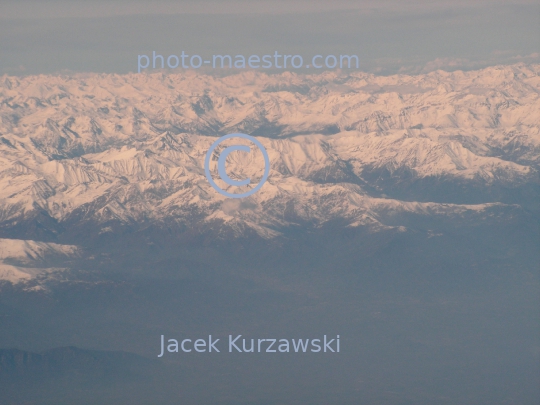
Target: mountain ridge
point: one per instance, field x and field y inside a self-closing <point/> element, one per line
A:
<point x="93" y="152"/>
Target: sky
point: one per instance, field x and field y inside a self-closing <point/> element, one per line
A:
<point x="55" y="36"/>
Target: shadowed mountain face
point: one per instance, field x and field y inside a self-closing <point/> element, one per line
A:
<point x="400" y="213"/>
<point x="422" y="316"/>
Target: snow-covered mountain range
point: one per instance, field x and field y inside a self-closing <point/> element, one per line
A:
<point x="113" y="150"/>
<point x="26" y="259"/>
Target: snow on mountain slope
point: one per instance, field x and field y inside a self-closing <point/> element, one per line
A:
<point x="130" y="148"/>
<point x="22" y="260"/>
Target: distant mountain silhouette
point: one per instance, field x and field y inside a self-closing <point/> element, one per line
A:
<point x="67" y="374"/>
